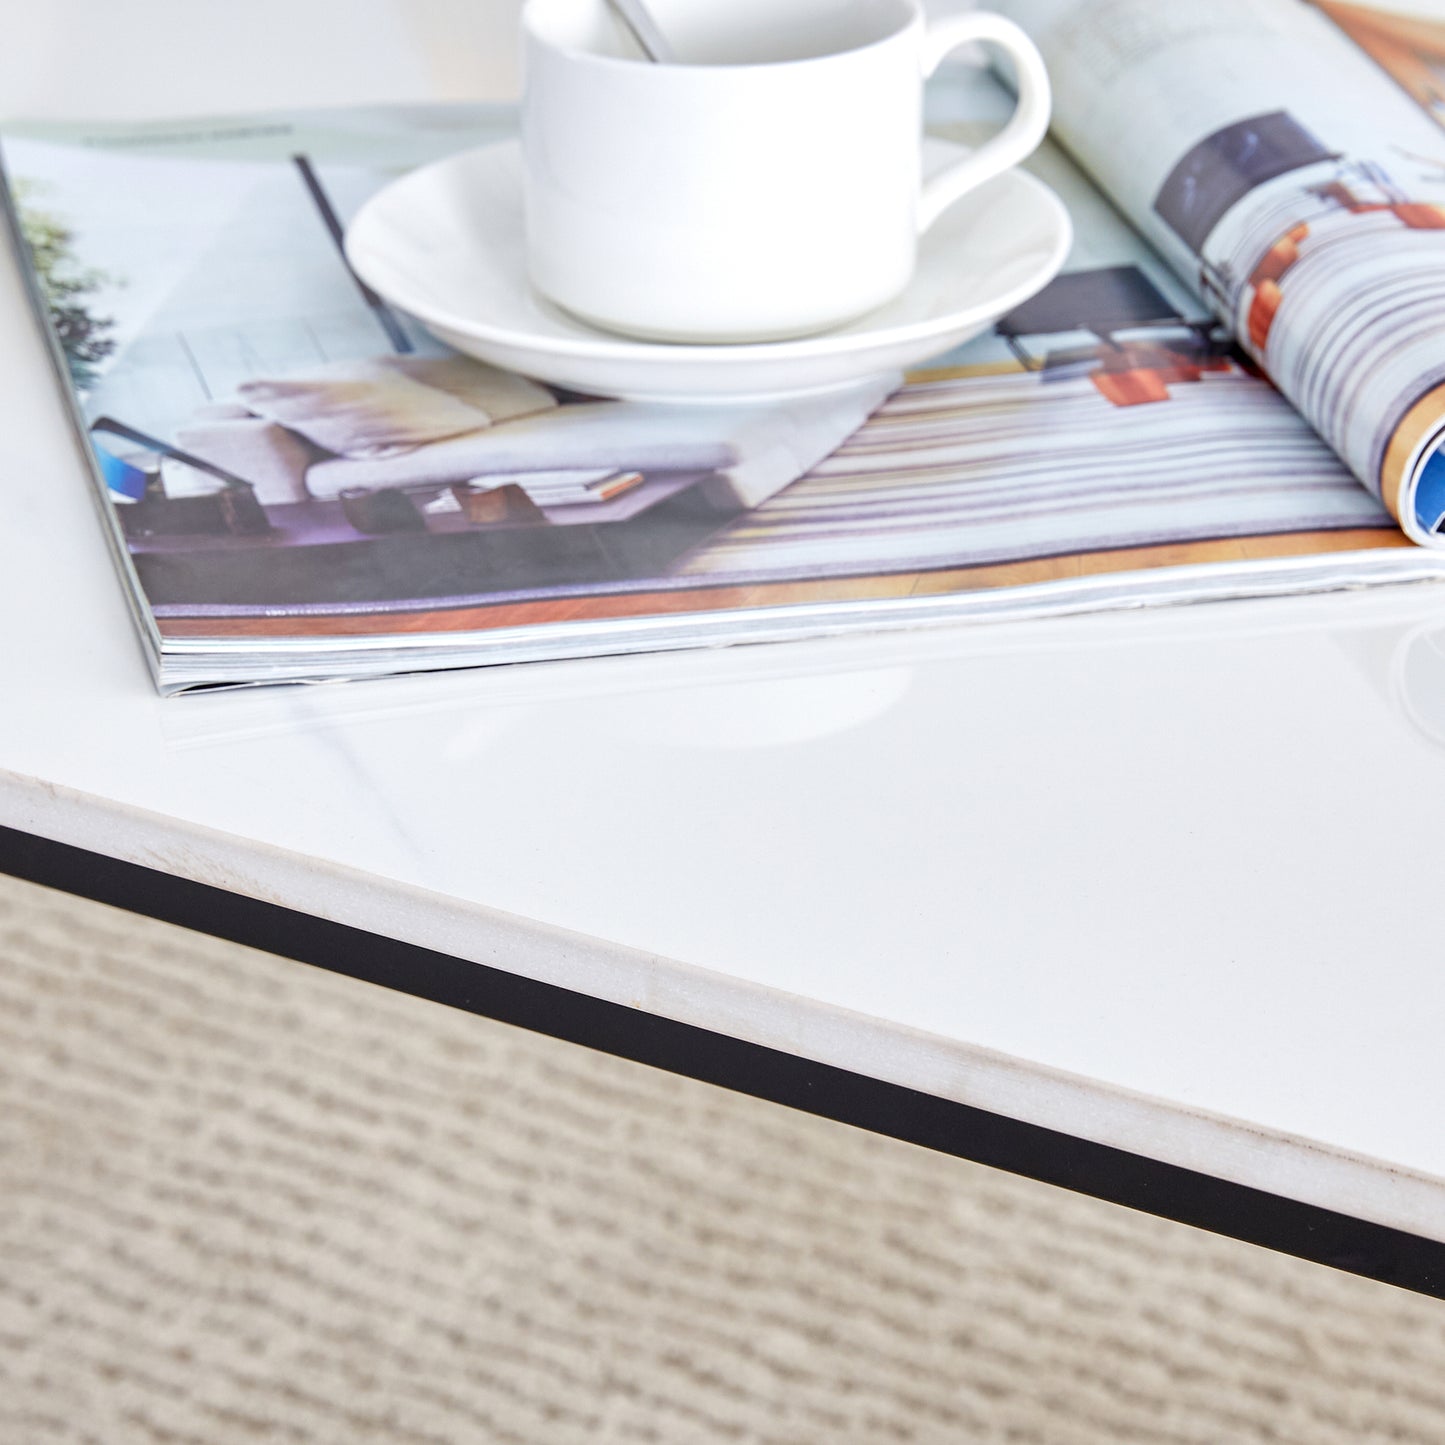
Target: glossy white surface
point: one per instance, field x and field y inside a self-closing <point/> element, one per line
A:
<point x="1162" y="880"/>
<point x="1026" y="127"/>
<point x="769" y="185"/>
<point x="445" y="243"/>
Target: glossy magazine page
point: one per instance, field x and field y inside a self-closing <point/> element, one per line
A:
<point x="1288" y="158"/>
<point x="307" y="484"/>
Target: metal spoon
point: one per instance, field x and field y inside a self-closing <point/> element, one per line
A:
<point x="635" y="15"/>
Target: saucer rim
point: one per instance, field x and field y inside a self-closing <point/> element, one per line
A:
<point x="601" y="346"/>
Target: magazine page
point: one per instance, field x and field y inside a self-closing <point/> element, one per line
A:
<point x="1287" y="157"/>
<point x="303" y="483"/>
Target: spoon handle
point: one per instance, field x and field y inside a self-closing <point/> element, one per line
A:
<point x="635" y="15"/>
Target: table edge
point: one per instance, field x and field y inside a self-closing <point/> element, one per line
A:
<point x="1286" y="1193"/>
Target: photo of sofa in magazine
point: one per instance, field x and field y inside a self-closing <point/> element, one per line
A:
<point x="300" y="483"/>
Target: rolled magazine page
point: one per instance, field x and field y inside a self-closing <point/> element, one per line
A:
<point x="1288" y="159"/>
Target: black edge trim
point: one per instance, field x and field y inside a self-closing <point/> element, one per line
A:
<point x="1254" y="1216"/>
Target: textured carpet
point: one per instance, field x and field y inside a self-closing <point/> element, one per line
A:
<point x="244" y="1200"/>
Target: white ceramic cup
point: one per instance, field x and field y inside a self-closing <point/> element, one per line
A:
<point x="768" y="185"/>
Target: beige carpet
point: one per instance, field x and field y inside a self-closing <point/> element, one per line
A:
<point x="245" y="1200"/>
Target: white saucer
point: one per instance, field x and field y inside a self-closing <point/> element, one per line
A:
<point x="446" y="244"/>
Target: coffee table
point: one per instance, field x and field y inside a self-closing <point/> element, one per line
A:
<point x="1140" y="905"/>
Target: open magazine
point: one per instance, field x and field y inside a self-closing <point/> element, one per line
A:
<point x="1236" y="387"/>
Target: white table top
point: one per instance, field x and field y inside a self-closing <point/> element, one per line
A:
<point x="1159" y="880"/>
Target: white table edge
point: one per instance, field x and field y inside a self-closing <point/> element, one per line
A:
<point x="1233" y="1150"/>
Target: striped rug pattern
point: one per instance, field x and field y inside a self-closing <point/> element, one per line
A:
<point x="248" y="1201"/>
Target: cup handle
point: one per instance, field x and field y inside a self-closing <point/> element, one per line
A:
<point x="1026" y="127"/>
